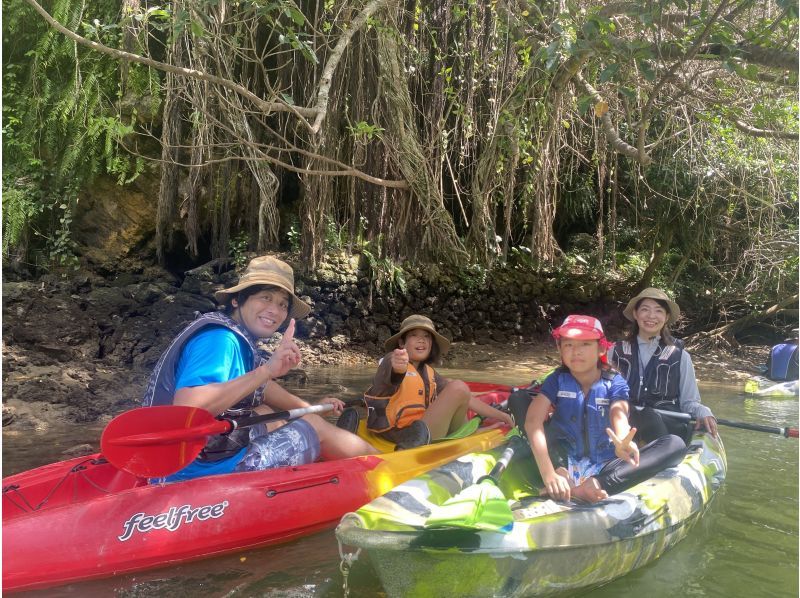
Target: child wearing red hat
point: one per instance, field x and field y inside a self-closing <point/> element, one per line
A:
<point x="588" y="434"/>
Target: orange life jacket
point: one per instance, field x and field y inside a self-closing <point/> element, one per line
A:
<point x="406" y="405"/>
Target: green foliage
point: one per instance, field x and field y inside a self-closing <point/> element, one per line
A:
<point x="284" y="17"/>
<point x="19" y="209"/>
<point x="335" y="236"/>
<point x="61" y="246"/>
<point x="384" y="273"/>
<point x="29" y="211"/>
<point x="365" y="130"/>
<point x="60" y="126"/>
<point x="631" y="265"/>
<point x="299" y="41"/>
<point x="109" y="131"/>
<point x="521" y="257"/>
<point x="238" y="246"/>
<point x="510" y="133"/>
<point x="340" y="237"/>
<point x="293" y="236"/>
<point x="473" y="277"/>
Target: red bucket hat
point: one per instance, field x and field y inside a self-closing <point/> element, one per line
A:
<point x="582" y="328"/>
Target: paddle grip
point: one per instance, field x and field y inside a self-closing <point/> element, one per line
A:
<point x="244" y="422"/>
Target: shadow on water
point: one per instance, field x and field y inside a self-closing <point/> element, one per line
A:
<point x="745" y="545"/>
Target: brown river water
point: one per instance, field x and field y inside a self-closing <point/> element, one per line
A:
<point x="746" y="544"/>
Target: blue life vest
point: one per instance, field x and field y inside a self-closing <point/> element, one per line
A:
<point x="581" y="422"/>
<point x="780" y="358"/>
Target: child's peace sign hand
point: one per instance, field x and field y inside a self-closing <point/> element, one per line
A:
<point x="625" y="448"/>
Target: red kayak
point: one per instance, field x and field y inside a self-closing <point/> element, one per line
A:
<point x="84" y="518"/>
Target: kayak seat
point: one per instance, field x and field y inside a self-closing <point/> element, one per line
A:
<point x="651" y="425"/>
<point x="348" y="420"/>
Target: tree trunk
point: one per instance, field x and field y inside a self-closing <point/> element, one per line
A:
<point x="612" y="213"/>
<point x="655" y="261"/>
<point x="170" y="142"/>
<point x="544" y="248"/>
<point x="726" y="334"/>
<point x="429" y="220"/>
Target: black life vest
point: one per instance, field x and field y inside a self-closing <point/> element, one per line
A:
<point x="659" y="385"/>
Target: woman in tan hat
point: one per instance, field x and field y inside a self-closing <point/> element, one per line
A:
<point x="409" y="402"/>
<point x="215" y="364"/>
<point x="659" y="371"/>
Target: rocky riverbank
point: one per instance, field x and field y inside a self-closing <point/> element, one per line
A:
<point x="80" y="349"/>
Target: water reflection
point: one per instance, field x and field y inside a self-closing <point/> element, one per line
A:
<point x="747" y="544"/>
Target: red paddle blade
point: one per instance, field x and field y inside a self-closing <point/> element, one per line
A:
<point x="158" y="441"/>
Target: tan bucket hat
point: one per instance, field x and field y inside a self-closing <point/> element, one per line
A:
<point x="653" y="293"/>
<point x="414" y="322"/>
<point x="272" y="271"/>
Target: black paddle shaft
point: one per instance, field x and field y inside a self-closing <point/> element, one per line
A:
<point x="494" y="475"/>
<point x="786" y="432"/>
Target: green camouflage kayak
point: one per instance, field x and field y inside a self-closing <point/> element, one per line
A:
<point x="549" y="547"/>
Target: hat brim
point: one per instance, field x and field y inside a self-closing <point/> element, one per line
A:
<point x="393" y="342"/>
<point x="580" y="334"/>
<point x="300" y="309"/>
<point x="674" y="309"/>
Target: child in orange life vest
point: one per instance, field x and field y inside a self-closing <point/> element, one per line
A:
<point x="409" y="403"/>
<point x="589" y="430"/>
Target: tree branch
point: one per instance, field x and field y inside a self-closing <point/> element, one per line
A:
<point x="616" y="142"/>
<point x="769" y="134"/>
<point x="670" y="74"/>
<point x="264" y="105"/>
<point x="725" y="333"/>
<point x="344" y="169"/>
<point x="751" y="53"/>
<point x="769" y="57"/>
<point x="321" y="106"/>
